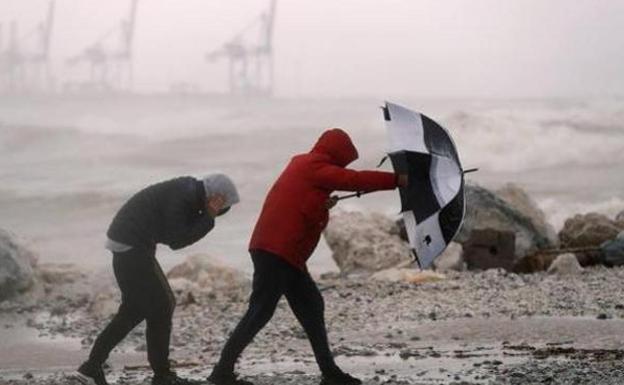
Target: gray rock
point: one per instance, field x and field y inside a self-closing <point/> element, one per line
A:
<point x="620" y="219"/>
<point x="522" y="202"/>
<point x="588" y="230"/>
<point x="451" y="259"/>
<point x="565" y="264"/>
<point x="365" y="242"/>
<point x="613" y="251"/>
<point x="486" y="210"/>
<point x="16" y="266"/>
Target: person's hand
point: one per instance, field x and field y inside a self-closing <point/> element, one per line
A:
<point x="402" y="180"/>
<point x="331" y="202"/>
<point x="215" y="204"/>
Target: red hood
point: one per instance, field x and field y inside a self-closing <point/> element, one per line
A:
<point x="337" y="144"/>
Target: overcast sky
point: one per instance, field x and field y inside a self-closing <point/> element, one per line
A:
<point x="380" y="48"/>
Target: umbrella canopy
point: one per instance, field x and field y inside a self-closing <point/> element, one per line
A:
<point x="433" y="203"/>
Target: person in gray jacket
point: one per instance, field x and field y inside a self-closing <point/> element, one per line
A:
<point x="177" y="213"/>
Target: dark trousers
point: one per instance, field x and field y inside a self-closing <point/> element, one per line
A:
<point x="145" y="295"/>
<point x="273" y="278"/>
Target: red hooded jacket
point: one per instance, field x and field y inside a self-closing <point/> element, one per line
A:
<point x="294" y="213"/>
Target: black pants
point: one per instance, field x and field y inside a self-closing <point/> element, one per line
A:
<point x="145" y="295"/>
<point x="273" y="278"/>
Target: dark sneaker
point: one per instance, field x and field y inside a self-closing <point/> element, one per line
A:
<point x="172" y="378"/>
<point x="226" y="379"/>
<point x="88" y="375"/>
<point x="339" y="378"/>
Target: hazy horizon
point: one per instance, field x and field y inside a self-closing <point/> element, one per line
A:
<point x="365" y="48"/>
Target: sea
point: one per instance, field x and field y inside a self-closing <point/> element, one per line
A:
<point x="67" y="163"/>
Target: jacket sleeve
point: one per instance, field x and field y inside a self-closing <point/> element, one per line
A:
<point x="183" y="224"/>
<point x="332" y="177"/>
<point x="192" y="232"/>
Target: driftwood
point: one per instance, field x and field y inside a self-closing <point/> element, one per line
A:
<point x="572" y="250"/>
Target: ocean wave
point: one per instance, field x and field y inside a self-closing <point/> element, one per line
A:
<point x="517" y="140"/>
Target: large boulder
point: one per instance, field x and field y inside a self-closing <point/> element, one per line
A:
<point x="619" y="219"/>
<point x="565" y="264"/>
<point x="613" y="251"/>
<point x="16" y="266"/>
<point x="523" y="203"/>
<point x="588" y="230"/>
<point x="486" y="210"/>
<point x="209" y="276"/>
<point x="365" y="242"/>
<point x="490" y="249"/>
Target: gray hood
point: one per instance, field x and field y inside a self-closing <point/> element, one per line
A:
<point x="223" y="185"/>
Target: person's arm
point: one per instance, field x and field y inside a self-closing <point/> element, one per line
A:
<point x="194" y="232"/>
<point x="201" y="224"/>
<point x="332" y="177"/>
<point x="183" y="230"/>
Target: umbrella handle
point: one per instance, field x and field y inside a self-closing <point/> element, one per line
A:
<point x="354" y="195"/>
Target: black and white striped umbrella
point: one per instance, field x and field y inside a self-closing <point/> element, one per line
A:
<point x="433" y="202"/>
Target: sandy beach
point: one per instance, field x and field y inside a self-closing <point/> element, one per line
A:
<point x="487" y="327"/>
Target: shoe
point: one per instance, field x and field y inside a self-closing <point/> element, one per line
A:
<point x="226" y="379"/>
<point x="88" y="375"/>
<point x="339" y="378"/>
<point x="171" y="378"/>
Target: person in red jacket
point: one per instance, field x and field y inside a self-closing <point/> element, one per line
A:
<point x="293" y="216"/>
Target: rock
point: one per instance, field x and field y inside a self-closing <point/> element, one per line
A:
<point x="365" y="242"/>
<point x="523" y="203"/>
<point x="613" y="251"/>
<point x="209" y="276"/>
<point x="588" y="230"/>
<point x="619" y="218"/>
<point x="485" y="210"/>
<point x="16" y="267"/>
<point x="565" y="264"/>
<point x="533" y="263"/>
<point x="451" y="259"/>
<point x="490" y="249"/>
<point x="407" y="275"/>
<point x="590" y="257"/>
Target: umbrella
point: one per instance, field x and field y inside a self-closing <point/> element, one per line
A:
<point x="433" y="203"/>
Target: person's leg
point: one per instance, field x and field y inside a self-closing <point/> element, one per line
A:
<point x="307" y="304"/>
<point x="159" y="307"/>
<point x="118" y="328"/>
<point x="129" y="314"/>
<point x="268" y="285"/>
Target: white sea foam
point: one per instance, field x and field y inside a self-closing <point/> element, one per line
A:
<point x="80" y="159"/>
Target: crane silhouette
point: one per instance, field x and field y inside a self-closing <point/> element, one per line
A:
<point x="250" y="56"/>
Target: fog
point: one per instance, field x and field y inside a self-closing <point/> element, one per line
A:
<point x="354" y="48"/>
